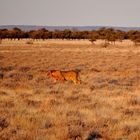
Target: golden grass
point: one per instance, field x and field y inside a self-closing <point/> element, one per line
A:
<point x="39" y="42"/>
<point x="106" y="105"/>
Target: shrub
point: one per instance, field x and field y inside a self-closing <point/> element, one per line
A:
<point x="92" y="40"/>
<point x="106" y="44"/>
<point x="29" y="42"/>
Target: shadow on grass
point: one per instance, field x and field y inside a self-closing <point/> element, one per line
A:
<point x="94" y="135"/>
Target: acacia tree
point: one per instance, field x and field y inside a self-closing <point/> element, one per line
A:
<point x="93" y="36"/>
<point x="102" y="33"/>
<point x="107" y="34"/>
<point x="4" y="33"/>
<point x="110" y="35"/>
<point x="67" y="34"/>
<point x="17" y="33"/>
<point x="136" y="39"/>
<point x="41" y="33"/>
<point x="134" y="36"/>
<point x="120" y="35"/>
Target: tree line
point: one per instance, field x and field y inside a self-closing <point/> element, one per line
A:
<point x="107" y="34"/>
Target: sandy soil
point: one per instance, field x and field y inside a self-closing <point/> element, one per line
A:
<point x="106" y="105"/>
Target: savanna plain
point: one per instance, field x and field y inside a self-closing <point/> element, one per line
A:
<point x="105" y="106"/>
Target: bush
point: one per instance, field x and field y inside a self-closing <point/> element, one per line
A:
<point x="137" y="41"/>
<point x="105" y="45"/>
<point x="92" y="40"/>
<point x="29" y="42"/>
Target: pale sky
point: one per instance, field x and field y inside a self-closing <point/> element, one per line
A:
<point x="70" y="12"/>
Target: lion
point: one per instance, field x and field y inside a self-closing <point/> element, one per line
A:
<point x="71" y="75"/>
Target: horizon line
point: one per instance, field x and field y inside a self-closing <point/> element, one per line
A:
<point x="70" y="25"/>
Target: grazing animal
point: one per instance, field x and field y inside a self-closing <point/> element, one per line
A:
<point x="71" y="75"/>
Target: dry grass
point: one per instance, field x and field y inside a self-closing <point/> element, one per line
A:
<point x="39" y="42"/>
<point x="106" y="105"/>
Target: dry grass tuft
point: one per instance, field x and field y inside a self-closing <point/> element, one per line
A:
<point x="29" y="42"/>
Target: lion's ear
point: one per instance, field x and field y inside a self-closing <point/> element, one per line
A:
<point x="49" y="73"/>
